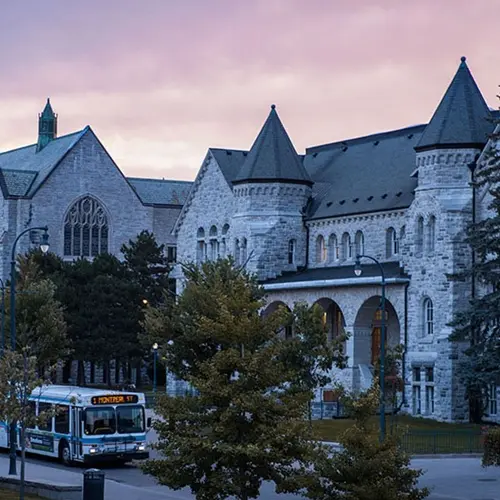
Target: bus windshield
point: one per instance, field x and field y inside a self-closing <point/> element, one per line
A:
<point x="100" y="421"/>
<point x="130" y="419"/>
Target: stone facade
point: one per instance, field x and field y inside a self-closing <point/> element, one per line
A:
<point x="418" y="237"/>
<point x="61" y="178"/>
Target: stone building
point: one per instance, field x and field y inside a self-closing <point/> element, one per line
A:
<point x="403" y="197"/>
<point x="72" y="185"/>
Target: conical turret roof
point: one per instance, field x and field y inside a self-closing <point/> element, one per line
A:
<point x="47" y="112"/>
<point x="461" y="119"/>
<point x="272" y="157"/>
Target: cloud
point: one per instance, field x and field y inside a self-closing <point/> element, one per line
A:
<point x="160" y="82"/>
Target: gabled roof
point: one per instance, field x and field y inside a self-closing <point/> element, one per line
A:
<point x="366" y="174"/>
<point x="160" y="192"/>
<point x="272" y="156"/>
<point x="461" y="119"/>
<point x="24" y="169"/>
<point x="230" y="162"/>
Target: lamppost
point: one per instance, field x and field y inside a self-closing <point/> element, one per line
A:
<point x="155" y="358"/>
<point x="44" y="247"/>
<point x="170" y="343"/>
<point x="357" y="272"/>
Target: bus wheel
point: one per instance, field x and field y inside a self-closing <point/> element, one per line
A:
<point x="64" y="453"/>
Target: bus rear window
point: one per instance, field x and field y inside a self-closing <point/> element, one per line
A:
<point x="100" y="421"/>
<point x="130" y="419"/>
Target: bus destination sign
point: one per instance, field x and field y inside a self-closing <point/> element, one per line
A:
<point x="115" y="399"/>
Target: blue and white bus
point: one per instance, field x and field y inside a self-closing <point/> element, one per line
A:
<point x="90" y="425"/>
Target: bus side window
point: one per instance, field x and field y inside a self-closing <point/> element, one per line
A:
<point x="32" y="409"/>
<point x="62" y="419"/>
<point x="47" y="424"/>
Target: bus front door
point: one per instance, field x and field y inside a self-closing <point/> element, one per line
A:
<point x="76" y="435"/>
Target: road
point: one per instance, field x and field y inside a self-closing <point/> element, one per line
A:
<point x="448" y="479"/>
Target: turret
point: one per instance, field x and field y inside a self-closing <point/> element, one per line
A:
<point x="47" y="126"/>
<point x="271" y="191"/>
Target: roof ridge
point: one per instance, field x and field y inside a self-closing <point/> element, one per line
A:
<point x="157" y="180"/>
<point x="65" y="136"/>
<point x="367" y="138"/>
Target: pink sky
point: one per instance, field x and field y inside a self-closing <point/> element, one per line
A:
<point x="160" y="81"/>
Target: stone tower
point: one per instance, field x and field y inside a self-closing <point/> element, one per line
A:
<point x="271" y="192"/>
<point x="47" y="126"/>
<point x="435" y="241"/>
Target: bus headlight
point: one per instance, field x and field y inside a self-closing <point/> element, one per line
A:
<point x="93" y="451"/>
<point x="141" y="447"/>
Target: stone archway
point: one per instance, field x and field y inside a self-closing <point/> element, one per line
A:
<point x="287" y="330"/>
<point x="333" y="317"/>
<point x="367" y="330"/>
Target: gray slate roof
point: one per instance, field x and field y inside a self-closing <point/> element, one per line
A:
<point x="272" y="156"/>
<point x="461" y="117"/>
<point x="160" y="192"/>
<point x="23" y="170"/>
<point x="229" y="161"/>
<point x="391" y="270"/>
<point x="367" y="174"/>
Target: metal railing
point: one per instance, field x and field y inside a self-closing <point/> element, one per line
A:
<point x="435" y="442"/>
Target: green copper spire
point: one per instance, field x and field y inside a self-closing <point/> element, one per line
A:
<point x="47" y="126"/>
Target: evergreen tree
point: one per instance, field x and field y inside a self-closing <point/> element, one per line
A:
<point x="148" y="266"/>
<point x="40" y="323"/>
<point x="365" y="469"/>
<point x="479" y="324"/>
<point x="246" y="423"/>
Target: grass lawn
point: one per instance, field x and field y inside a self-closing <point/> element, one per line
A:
<point x="419" y="435"/>
<point x="14" y="495"/>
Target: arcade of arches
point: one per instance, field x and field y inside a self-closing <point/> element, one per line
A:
<point x="363" y="344"/>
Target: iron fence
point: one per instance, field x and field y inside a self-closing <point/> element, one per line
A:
<point x="435" y="442"/>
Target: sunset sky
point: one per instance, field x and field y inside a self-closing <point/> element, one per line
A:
<point x="160" y="81"/>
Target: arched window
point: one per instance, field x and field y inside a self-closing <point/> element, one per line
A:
<point x="333" y="248"/>
<point x="86" y="230"/>
<point x="419" y="242"/>
<point x="392" y="242"/>
<point x="431" y="234"/>
<point x="359" y="241"/>
<point x="214" y="244"/>
<point x="428" y="317"/>
<point x="346" y="246"/>
<point x="237" y="254"/>
<point x="201" y="250"/>
<point x="243" y="251"/>
<point x="225" y="230"/>
<point x="321" y="251"/>
<point x="292" y="244"/>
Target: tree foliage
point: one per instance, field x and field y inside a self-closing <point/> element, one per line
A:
<point x="103" y="299"/>
<point x="18" y="379"/>
<point x="40" y="322"/>
<point x="246" y="423"/>
<point x="365" y="469"/>
<point x="479" y="324"/>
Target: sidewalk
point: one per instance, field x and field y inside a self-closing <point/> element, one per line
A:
<point x="112" y="490"/>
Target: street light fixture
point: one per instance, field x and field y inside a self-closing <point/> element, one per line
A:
<point x="155" y="358"/>
<point x="44" y="247"/>
<point x="358" y="271"/>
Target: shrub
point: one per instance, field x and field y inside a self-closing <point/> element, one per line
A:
<point x="491" y="454"/>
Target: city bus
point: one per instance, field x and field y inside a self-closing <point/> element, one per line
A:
<point x="89" y="425"/>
